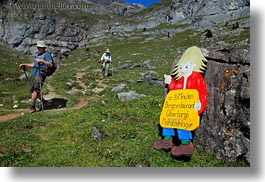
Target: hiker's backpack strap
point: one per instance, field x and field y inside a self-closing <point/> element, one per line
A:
<point x="50" y="55"/>
<point x="50" y="70"/>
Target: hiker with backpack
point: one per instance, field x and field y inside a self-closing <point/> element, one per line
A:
<point x="105" y="62"/>
<point x="40" y="70"/>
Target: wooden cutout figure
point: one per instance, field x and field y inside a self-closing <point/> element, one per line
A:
<point x="187" y="94"/>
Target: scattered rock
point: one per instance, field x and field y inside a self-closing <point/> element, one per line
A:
<point x="96" y="135"/>
<point x="15" y="106"/>
<point x="151" y="77"/>
<point x="127" y="96"/>
<point x="119" y="87"/>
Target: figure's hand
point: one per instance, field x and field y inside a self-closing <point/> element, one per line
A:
<point x="197" y="106"/>
<point x="167" y="79"/>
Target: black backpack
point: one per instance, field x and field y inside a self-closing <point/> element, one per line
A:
<point x="52" y="69"/>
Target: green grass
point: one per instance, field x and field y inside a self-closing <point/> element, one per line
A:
<point x="11" y="88"/>
<point x="126" y="139"/>
<point x="64" y="138"/>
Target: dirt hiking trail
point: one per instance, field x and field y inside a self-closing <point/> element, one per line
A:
<point x="83" y="101"/>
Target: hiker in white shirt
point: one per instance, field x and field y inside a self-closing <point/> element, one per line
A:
<point x="106" y="61"/>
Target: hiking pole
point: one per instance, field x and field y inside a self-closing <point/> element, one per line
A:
<point x="24" y="69"/>
<point x="111" y="69"/>
<point x="41" y="99"/>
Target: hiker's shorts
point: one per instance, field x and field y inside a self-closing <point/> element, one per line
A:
<point x="35" y="84"/>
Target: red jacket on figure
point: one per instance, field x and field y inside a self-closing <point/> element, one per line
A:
<point x="194" y="81"/>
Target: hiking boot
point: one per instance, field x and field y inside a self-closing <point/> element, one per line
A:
<point x="163" y="144"/>
<point x="31" y="109"/>
<point x="176" y="151"/>
<point x="182" y="150"/>
<point x="187" y="150"/>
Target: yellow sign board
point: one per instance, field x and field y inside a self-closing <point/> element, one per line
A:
<point x="178" y="110"/>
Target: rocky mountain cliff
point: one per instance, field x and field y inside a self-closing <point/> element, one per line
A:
<point x="91" y="23"/>
<point x="223" y="27"/>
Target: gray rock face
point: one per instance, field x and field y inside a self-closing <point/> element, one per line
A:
<point x="207" y="13"/>
<point x="16" y="35"/>
<point x="64" y="34"/>
<point x="36" y="24"/>
<point x="228" y="115"/>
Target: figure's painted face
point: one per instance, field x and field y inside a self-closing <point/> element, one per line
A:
<point x="186" y="69"/>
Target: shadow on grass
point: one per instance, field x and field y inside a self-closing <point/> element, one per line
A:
<point x="54" y="103"/>
<point x="183" y="158"/>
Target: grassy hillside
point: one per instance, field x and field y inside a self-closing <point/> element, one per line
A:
<point x="66" y="137"/>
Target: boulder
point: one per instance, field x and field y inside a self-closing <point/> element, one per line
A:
<point x="128" y="96"/>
